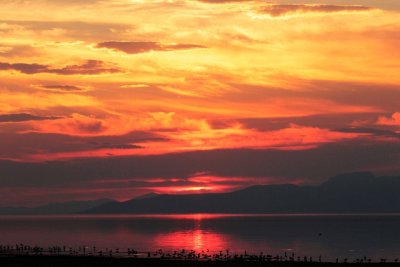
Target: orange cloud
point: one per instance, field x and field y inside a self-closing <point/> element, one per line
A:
<point x="193" y="135"/>
<point x="90" y="67"/>
<point x="203" y="136"/>
<point x="143" y="47"/>
<point x="282" y="10"/>
<point x="394" y="120"/>
<point x="62" y="88"/>
<point x="20" y="117"/>
<point x="76" y="124"/>
<point x="27" y="102"/>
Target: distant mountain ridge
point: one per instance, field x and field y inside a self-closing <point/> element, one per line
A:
<point x="359" y="192"/>
<point x="70" y="207"/>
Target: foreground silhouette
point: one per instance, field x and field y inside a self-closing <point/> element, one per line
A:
<point x="25" y="255"/>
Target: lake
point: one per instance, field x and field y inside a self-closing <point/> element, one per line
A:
<point x="331" y="236"/>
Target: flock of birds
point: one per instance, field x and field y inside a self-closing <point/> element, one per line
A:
<point x="190" y="255"/>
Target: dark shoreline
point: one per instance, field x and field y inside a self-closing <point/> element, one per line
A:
<point x="95" y="261"/>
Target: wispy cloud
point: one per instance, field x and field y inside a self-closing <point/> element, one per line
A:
<point x="143" y="47"/>
<point x="62" y="88"/>
<point x="20" y="117"/>
<point x="90" y="67"/>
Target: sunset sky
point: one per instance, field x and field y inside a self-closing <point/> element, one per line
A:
<point x="119" y="98"/>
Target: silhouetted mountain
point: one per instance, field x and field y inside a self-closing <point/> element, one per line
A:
<point x="55" y="208"/>
<point x="149" y="195"/>
<point x="360" y="192"/>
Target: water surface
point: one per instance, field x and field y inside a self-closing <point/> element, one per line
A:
<point x="330" y="236"/>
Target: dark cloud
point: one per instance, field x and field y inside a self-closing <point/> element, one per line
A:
<point x="18" y="117"/>
<point x="19" y="144"/>
<point x="281" y="10"/>
<point x="62" y="88"/>
<point x="125" y="177"/>
<point x="90" y="67"/>
<point x="313" y="165"/>
<point x="372" y="131"/>
<point x="143" y="47"/>
<point x="327" y="121"/>
<point x="132" y="137"/>
<point x="120" y="146"/>
<point x="90" y="127"/>
<point x="382" y="96"/>
<point x="24" y="68"/>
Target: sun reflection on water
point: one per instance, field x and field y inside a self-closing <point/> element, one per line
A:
<point x="197" y="238"/>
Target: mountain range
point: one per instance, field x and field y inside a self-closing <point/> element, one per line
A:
<point x="55" y="208"/>
<point x="359" y="192"/>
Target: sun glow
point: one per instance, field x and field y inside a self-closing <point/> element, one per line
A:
<point x="192" y="189"/>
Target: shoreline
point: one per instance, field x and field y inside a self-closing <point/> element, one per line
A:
<point x="97" y="261"/>
<point x="23" y="252"/>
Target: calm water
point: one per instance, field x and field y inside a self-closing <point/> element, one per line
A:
<point x="331" y="236"/>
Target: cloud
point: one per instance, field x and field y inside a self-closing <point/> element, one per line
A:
<point x="277" y="10"/>
<point x="18" y="51"/>
<point x="352" y="94"/>
<point x="394" y="120"/>
<point x="75" y="124"/>
<point x="282" y="10"/>
<point x="205" y="169"/>
<point x="201" y="135"/>
<point x="372" y="131"/>
<point x="24" y="68"/>
<point x="327" y="121"/>
<point x="70" y="30"/>
<point x="131" y="137"/>
<point x="89" y="126"/>
<point x="143" y="47"/>
<point x="223" y="1"/>
<point x="313" y="165"/>
<point x="19" y="117"/>
<point x="121" y="146"/>
<point x="90" y="67"/>
<point x="17" y="145"/>
<point x="62" y="88"/>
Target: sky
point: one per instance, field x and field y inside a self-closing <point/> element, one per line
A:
<point x="119" y="98"/>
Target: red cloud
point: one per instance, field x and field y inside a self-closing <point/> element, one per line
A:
<point x="394" y="120"/>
